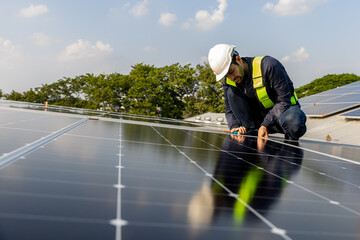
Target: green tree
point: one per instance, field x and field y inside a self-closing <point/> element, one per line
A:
<point x="15" y="96"/>
<point x="210" y="95"/>
<point x="31" y="96"/>
<point x="326" y="83"/>
<point x="160" y="91"/>
<point x="105" y="92"/>
<point x="182" y="85"/>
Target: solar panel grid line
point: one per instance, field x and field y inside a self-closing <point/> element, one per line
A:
<point x="315" y="171"/>
<point x="184" y="227"/>
<point x="10" y="157"/>
<point x="161" y="189"/>
<point x="314" y="213"/>
<point x="354" y="114"/>
<point x="19" y="121"/>
<point x="50" y="217"/>
<point x="160" y="179"/>
<point x="184" y="205"/>
<point x="53" y="196"/>
<point x="53" y="218"/>
<point x="330" y="160"/>
<point x="168" y="217"/>
<point x="119" y="222"/>
<point x="143" y="117"/>
<point x="92" y="137"/>
<point x="159" y="171"/>
<point x="331" y="102"/>
<point x="317" y="152"/>
<point x="187" y="191"/>
<point x="321" y="173"/>
<point x="330" y="201"/>
<point x="64" y="182"/>
<point x="318" y="172"/>
<point x="274" y="229"/>
<point x="328" y="103"/>
<point x="329" y="99"/>
<point x="64" y="170"/>
<point x="81" y="164"/>
<point x="26" y="130"/>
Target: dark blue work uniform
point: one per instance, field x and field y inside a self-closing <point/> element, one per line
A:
<point x="242" y="107"/>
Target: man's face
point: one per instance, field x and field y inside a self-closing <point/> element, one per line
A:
<point x="236" y="72"/>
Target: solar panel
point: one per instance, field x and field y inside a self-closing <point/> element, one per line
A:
<point x="118" y="179"/>
<point x="355" y="114"/>
<point x="331" y="102"/>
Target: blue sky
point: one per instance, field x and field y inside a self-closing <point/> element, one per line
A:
<point x="44" y="41"/>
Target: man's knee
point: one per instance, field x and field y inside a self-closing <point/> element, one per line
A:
<point x="293" y="122"/>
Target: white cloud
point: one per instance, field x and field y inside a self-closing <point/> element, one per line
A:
<point x="286" y="59"/>
<point x="205" y="20"/>
<point x="40" y="39"/>
<point x="84" y="50"/>
<point x="292" y="7"/>
<point x="140" y="9"/>
<point x="167" y="19"/>
<point x="298" y="56"/>
<point x="149" y="49"/>
<point x="33" y="10"/>
<point x="9" y="54"/>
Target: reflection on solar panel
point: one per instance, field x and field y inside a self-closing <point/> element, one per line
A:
<point x="355" y="114"/>
<point x="67" y="177"/>
<point x="333" y="101"/>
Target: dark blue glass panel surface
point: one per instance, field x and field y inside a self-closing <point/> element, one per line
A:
<point x="331" y="101"/>
<point x="352" y="114"/>
<point x="176" y="183"/>
<point x="325" y="109"/>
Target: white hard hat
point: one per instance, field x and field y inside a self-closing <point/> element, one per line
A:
<point x="220" y="57"/>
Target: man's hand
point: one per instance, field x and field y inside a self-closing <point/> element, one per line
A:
<point x="263" y="132"/>
<point x="238" y="138"/>
<point x="261" y="142"/>
<point x="240" y="130"/>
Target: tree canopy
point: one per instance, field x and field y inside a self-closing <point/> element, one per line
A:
<point x="173" y="91"/>
<point x="326" y="83"/>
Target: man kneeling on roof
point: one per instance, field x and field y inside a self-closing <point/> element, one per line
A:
<point x="259" y="95"/>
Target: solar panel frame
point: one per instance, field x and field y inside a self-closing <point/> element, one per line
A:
<point x="331" y="102"/>
<point x="354" y="114"/>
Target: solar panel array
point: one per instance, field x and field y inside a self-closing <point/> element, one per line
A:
<point x="69" y="177"/>
<point x="355" y="114"/>
<point x="333" y="101"/>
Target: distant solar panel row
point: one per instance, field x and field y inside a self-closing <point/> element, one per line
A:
<point x="355" y="114"/>
<point x="332" y="101"/>
<point x="115" y="180"/>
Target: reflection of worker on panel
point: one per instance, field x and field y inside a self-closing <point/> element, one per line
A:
<point x="257" y="174"/>
<point x="256" y="171"/>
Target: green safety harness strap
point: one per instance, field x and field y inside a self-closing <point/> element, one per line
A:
<point x="259" y="85"/>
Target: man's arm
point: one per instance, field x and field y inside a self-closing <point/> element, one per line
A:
<point x="232" y="121"/>
<point x="278" y="82"/>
